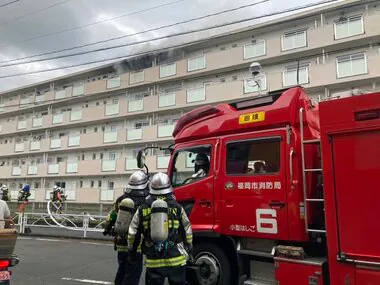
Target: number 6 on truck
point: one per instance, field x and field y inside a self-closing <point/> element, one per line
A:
<point x="264" y="223"/>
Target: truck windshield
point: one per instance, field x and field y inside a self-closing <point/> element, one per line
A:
<point x="191" y="164"/>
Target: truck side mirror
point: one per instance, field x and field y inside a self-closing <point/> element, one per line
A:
<point x="141" y="159"/>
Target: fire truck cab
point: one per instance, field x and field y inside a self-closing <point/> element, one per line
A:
<point x="250" y="176"/>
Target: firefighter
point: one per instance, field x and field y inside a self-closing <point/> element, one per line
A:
<point x="166" y="232"/>
<point x="202" y="165"/>
<point x="4" y="193"/>
<point x="128" y="272"/>
<point x="24" y="193"/>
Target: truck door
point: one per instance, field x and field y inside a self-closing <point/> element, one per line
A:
<point x="192" y="177"/>
<point x="252" y="181"/>
<point x="356" y="168"/>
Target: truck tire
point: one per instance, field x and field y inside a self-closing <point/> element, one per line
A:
<point x="215" y="268"/>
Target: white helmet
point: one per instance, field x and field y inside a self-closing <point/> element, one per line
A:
<point x="4" y="187"/>
<point x="55" y="187"/>
<point x="160" y="184"/>
<point x="137" y="181"/>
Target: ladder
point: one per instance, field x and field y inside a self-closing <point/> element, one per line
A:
<point x="305" y="170"/>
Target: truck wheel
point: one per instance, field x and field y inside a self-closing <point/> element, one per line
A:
<point x="215" y="268"/>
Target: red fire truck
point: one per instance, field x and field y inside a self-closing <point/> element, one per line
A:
<point x="281" y="190"/>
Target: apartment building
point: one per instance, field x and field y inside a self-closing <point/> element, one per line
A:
<point x="83" y="131"/>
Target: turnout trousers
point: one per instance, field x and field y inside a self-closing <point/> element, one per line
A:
<point x="156" y="276"/>
<point x="128" y="272"/>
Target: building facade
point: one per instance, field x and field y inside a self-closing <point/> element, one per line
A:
<point x="83" y="131"/>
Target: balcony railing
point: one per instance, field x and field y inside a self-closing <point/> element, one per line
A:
<point x="19" y="147"/>
<point x="37" y="122"/>
<point x="21" y="125"/>
<point x="109" y="137"/>
<point x="76" y="115"/>
<point x="55" y="143"/>
<point x="108" y="165"/>
<point x="74" y="140"/>
<point x="32" y="169"/>
<point x="78" y="90"/>
<point x="57" y="119"/>
<point x="113" y="82"/>
<point x="196" y="95"/>
<point x="16" y="170"/>
<point x="53" y="168"/>
<point x="72" y="167"/>
<point x="60" y="94"/>
<point x="35" y="145"/>
<point x="134" y="134"/>
<point x="112" y="109"/>
<point x="131" y="164"/>
<point x="165" y="130"/>
<point x="107" y="195"/>
<point x="166" y="99"/>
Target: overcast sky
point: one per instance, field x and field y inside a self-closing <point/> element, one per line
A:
<point x="29" y="27"/>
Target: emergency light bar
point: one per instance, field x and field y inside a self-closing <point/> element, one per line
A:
<point x="259" y="101"/>
<point x="192" y="116"/>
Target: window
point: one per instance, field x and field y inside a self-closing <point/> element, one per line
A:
<point x="255" y="157"/>
<point x="111" y="185"/>
<point x="290" y="75"/>
<point x="101" y="156"/>
<point x="81" y="184"/>
<point x="168" y="70"/>
<point x="250" y="85"/>
<point x="36" y="185"/>
<point x="92" y="183"/>
<point x="293" y="40"/>
<point x="195" y="63"/>
<point x="350" y="65"/>
<point x="348" y="27"/>
<point x="185" y="168"/>
<point x="254" y="50"/>
<point x="136" y="77"/>
<point x="99" y="183"/>
<point x="93" y="156"/>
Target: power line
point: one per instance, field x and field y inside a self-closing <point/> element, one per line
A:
<point x="34" y="12"/>
<point x="9" y="3"/>
<point x="167" y="36"/>
<point x="131" y="35"/>
<point x="94" y="23"/>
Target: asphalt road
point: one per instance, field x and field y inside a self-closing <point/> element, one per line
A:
<point x="50" y="261"/>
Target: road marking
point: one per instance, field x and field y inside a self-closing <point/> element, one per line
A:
<point x="88" y="281"/>
<point x="96" y="243"/>
<point x="48" y="239"/>
<point x="26" y="238"/>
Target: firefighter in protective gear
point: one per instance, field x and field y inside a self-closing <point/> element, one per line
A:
<point x="4" y="193"/>
<point x="166" y="232"/>
<point x="24" y="194"/>
<point x="202" y="165"/>
<point x="120" y="217"/>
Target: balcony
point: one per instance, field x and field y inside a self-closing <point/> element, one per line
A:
<point x="165" y="130"/>
<point x="134" y="134"/>
<point x="35" y="145"/>
<point x="196" y="95"/>
<point x="60" y="95"/>
<point x="37" y="122"/>
<point x="21" y="125"/>
<point x="72" y="167"/>
<point x="57" y="119"/>
<point x="19" y="147"/>
<point x="39" y="99"/>
<point x="112" y="109"/>
<point x="163" y="162"/>
<point x="74" y="140"/>
<point x="110" y="137"/>
<point x="24" y="102"/>
<point x="113" y="82"/>
<point x="55" y="143"/>
<point x="16" y="170"/>
<point x="135" y="105"/>
<point x="78" y="90"/>
<point x="166" y="99"/>
<point x="53" y="168"/>
<point x="131" y="164"/>
<point x="75" y="115"/>
<point x="107" y="195"/>
<point x="32" y="169"/>
<point x="108" y="165"/>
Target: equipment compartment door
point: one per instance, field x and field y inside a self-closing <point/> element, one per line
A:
<point x="192" y="177"/>
<point x="252" y="183"/>
<point x="356" y="166"/>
